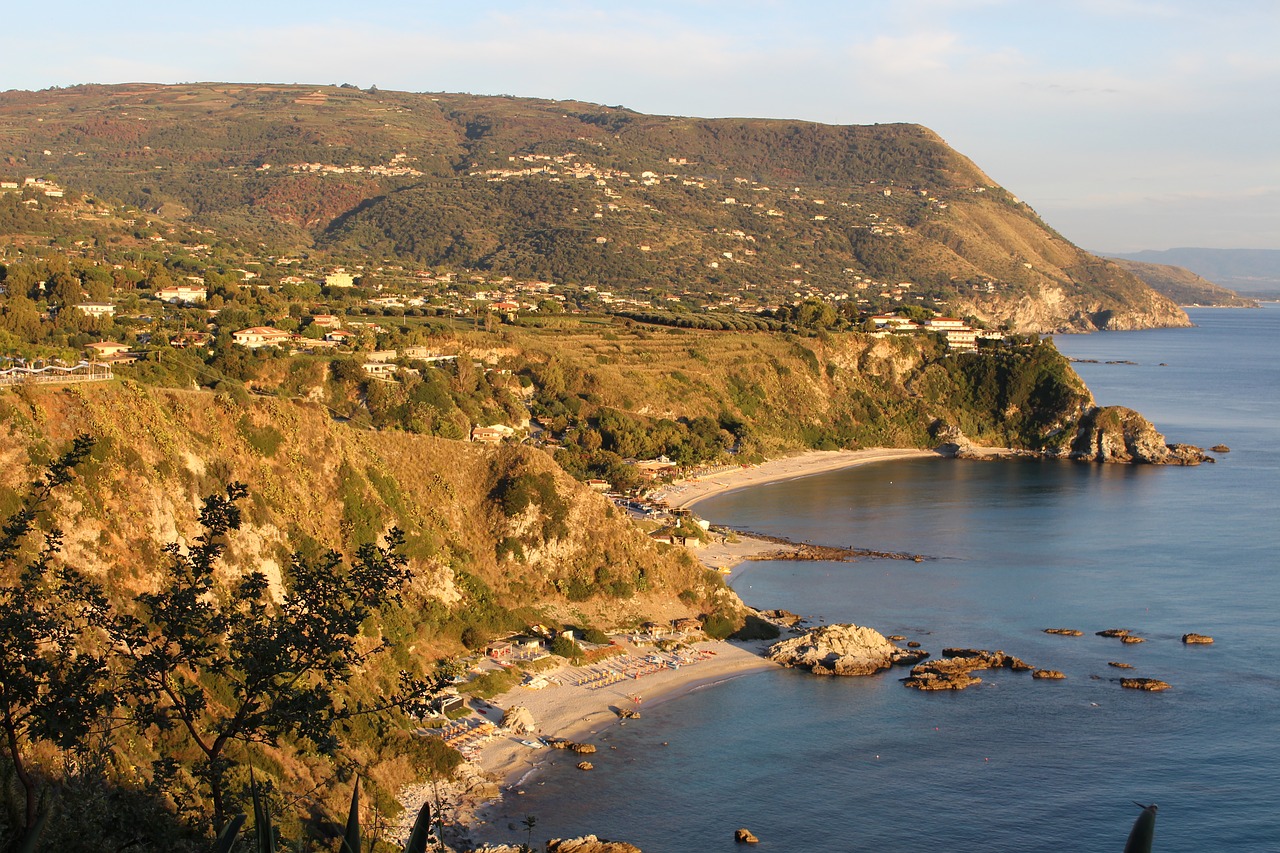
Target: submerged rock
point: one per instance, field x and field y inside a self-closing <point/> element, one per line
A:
<point x="842" y="650"/>
<point x="1118" y="665"/>
<point x="1114" y="632"/>
<point x="1065" y="632"/>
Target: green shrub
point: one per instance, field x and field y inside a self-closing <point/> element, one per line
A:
<point x="756" y="628"/>
<point x="566" y="648"/>
<point x="719" y="626"/>
<point x="491" y="683"/>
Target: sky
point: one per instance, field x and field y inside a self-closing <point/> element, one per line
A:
<point x="1126" y="124"/>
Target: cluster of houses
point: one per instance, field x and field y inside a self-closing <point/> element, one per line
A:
<point x="41" y="185"/>
<point x="958" y="334"/>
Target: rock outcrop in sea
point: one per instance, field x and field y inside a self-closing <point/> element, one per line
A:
<point x="1118" y="434"/>
<point x="584" y="844"/>
<point x="1150" y="684"/>
<point x="843" y="650"/>
<point x="954" y="670"/>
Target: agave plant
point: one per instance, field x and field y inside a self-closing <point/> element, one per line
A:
<point x="351" y="838"/>
<point x="230" y="833"/>
<point x="265" y="837"/>
<point x="262" y="828"/>
<point x="31" y="841"/>
<point x="421" y="833"/>
<point x="1143" y="832"/>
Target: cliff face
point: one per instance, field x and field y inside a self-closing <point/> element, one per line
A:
<point x="1117" y="434"/>
<point x="1062" y="304"/>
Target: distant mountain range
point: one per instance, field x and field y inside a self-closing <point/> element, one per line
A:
<point x="1255" y="272"/>
<point x="1185" y="287"/>
<point x="670" y="210"/>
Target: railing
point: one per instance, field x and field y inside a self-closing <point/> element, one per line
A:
<point x="49" y="374"/>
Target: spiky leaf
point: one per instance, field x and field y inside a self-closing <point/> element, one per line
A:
<point x="263" y="831"/>
<point x="31" y="840"/>
<point x="421" y="831"/>
<point x="1143" y="832"/>
<point x="351" y="838"/>
<point x="230" y="833"/>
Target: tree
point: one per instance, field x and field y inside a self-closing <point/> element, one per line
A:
<point x="230" y="664"/>
<point x="53" y="686"/>
<point x="63" y="289"/>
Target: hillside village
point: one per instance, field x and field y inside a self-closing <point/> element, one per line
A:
<point x="305" y="306"/>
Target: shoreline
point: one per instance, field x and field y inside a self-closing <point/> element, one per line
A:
<point x="488" y="798"/>
<point x="683" y="494"/>
<point x="723" y="554"/>
<point x="488" y="801"/>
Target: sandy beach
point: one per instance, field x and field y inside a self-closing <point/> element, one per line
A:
<point x="505" y="762"/>
<point x="723" y="553"/>
<point x="570" y="711"/>
<point x="686" y="493"/>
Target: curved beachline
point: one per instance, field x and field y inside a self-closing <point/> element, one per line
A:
<point x="683" y="494"/>
<point x="573" y="712"/>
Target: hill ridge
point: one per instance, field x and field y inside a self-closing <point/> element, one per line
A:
<point x="579" y="193"/>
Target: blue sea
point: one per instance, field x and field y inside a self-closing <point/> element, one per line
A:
<point x="1013" y="764"/>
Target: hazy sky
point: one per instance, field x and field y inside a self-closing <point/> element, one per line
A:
<point x="1127" y="124"/>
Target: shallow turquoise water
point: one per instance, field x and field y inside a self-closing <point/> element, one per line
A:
<point x="1013" y="764"/>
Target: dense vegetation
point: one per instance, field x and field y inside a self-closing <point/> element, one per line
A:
<point x="194" y="690"/>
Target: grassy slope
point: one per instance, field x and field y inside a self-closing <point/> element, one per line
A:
<point x="315" y="483"/>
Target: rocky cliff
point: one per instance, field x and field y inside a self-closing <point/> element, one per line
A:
<point x="1117" y="434"/>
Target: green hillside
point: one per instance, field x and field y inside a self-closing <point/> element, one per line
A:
<point x="757" y="210"/>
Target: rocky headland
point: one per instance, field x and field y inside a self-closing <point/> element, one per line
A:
<point x="1117" y="434"/>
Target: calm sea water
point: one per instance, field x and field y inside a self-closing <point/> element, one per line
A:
<point x="866" y="764"/>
